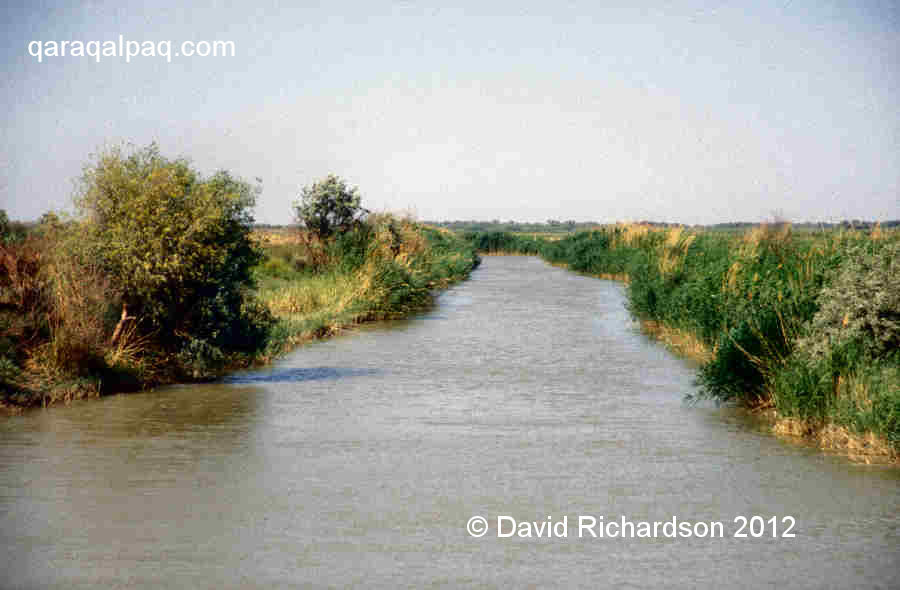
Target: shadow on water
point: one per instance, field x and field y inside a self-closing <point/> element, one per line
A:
<point x="298" y="374"/>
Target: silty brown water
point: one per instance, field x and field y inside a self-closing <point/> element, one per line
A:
<point x="358" y="461"/>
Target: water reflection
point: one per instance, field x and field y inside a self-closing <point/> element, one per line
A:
<point x="298" y="374"/>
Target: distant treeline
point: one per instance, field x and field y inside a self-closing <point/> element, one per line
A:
<point x="554" y="226"/>
<point x="807" y="323"/>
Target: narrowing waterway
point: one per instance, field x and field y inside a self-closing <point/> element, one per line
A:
<point x="526" y="393"/>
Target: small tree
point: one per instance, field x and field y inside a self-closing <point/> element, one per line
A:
<point x="861" y="305"/>
<point x="11" y="231"/>
<point x="4" y="225"/>
<point x="328" y="207"/>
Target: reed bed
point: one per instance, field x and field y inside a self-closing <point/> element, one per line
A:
<point x="387" y="268"/>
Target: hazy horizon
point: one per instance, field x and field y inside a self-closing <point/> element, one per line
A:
<point x="692" y="112"/>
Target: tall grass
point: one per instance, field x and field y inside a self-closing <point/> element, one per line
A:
<point x="386" y="267"/>
<point x="57" y="315"/>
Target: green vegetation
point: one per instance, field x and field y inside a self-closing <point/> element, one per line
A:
<point x="161" y="278"/>
<point x="553" y="227"/>
<point x="328" y="207"/>
<point x="176" y="251"/>
<point x="385" y="267"/>
<point x="11" y="232"/>
<point x="497" y="242"/>
<point x="805" y="323"/>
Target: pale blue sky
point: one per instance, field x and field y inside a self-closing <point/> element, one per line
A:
<point x="697" y="112"/>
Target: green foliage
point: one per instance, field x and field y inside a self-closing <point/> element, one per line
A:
<point x="868" y="400"/>
<point x="499" y="241"/>
<point x="282" y="261"/>
<point x="278" y="268"/>
<point x="647" y="288"/>
<point x="738" y="370"/>
<point x="9" y="371"/>
<point x="328" y="206"/>
<point x="861" y="304"/>
<point x="383" y="267"/>
<point x="200" y="358"/>
<point x="176" y="246"/>
<point x="348" y="250"/>
<point x="11" y="232"/>
<point x="846" y="365"/>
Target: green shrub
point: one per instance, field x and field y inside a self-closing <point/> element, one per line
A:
<point x="201" y="359"/>
<point x="497" y="241"/>
<point x="802" y="388"/>
<point x="348" y="249"/>
<point x="868" y="400"/>
<point x="862" y="304"/>
<point x="9" y="371"/>
<point x="645" y="287"/>
<point x="176" y="245"/>
<point x="328" y="207"/>
<point x="11" y="232"/>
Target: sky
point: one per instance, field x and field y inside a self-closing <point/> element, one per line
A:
<point x="691" y="112"/>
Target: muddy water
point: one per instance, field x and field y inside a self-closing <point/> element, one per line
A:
<point x="526" y="392"/>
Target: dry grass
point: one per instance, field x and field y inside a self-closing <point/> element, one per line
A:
<point x="274" y="237"/>
<point x="312" y="295"/>
<point x="681" y="342"/>
<point x="864" y="448"/>
<point x="80" y="297"/>
<point x="131" y="352"/>
<point x="674" y="250"/>
<point x="398" y="239"/>
<point x="610" y="276"/>
<point x="631" y="233"/>
<point x="777" y="233"/>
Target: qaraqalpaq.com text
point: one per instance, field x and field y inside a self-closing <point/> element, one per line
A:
<point x="128" y="49"/>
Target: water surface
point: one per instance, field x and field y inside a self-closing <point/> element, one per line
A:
<point x="357" y="462"/>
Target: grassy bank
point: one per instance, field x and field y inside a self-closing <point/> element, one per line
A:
<point x="804" y="325"/>
<point x="58" y="318"/>
<point x="386" y="268"/>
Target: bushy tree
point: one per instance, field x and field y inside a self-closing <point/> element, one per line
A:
<point x="11" y="231"/>
<point x="175" y="244"/>
<point x="861" y="305"/>
<point x="4" y="224"/>
<point x="329" y="206"/>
